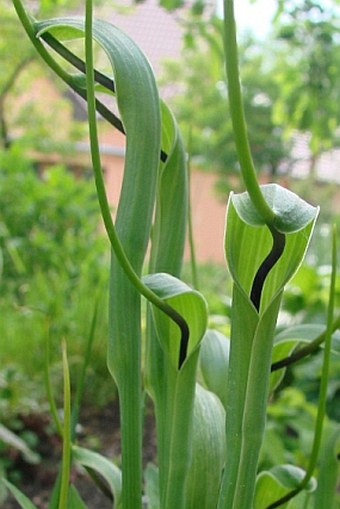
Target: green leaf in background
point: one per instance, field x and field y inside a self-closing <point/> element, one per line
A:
<point x="273" y="449"/>
<point x="305" y="334"/>
<point x="22" y="500"/>
<point x="74" y="499"/>
<point x="151" y="477"/>
<point x="9" y="438"/>
<point x="208" y="451"/>
<point x="329" y="469"/>
<point x="280" y="351"/>
<point x="187" y="302"/>
<point x="108" y="470"/>
<point x="271" y="485"/>
<point x="214" y="361"/>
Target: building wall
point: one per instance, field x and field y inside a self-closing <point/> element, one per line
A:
<point x="208" y="212"/>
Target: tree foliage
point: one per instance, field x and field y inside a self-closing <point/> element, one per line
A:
<point x="22" y="115"/>
<point x="307" y="70"/>
<point x="201" y="102"/>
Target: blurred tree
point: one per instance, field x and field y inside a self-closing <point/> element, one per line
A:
<point x="201" y="102"/>
<point x="14" y="57"/>
<point x="20" y="68"/>
<point x="307" y="71"/>
<point x="196" y="6"/>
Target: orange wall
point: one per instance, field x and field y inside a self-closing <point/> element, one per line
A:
<point x="207" y="211"/>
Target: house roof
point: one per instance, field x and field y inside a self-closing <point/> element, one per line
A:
<point x="156" y="31"/>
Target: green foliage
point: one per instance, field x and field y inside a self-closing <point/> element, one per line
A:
<point x="53" y="270"/>
<point x="208" y="445"/>
<point x="308" y="76"/>
<point x="47" y="221"/>
<point x="201" y="105"/>
<point x="24" y="117"/>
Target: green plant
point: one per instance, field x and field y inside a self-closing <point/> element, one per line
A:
<point x="53" y="266"/>
<point x="206" y="114"/>
<point x="208" y="438"/>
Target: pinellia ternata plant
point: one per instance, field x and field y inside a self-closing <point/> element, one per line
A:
<point x="209" y="428"/>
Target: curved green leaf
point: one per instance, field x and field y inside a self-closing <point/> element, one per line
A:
<point x="108" y="470"/>
<point x="64" y="29"/>
<point x="169" y="229"/>
<point x="305" y="334"/>
<point x="273" y="484"/>
<point x="151" y="477"/>
<point x="74" y="499"/>
<point x="329" y="468"/>
<point x="138" y="104"/>
<point x="208" y="451"/>
<point x="187" y="302"/>
<point x="214" y="362"/>
<point x="22" y="500"/>
<point x="9" y="438"/>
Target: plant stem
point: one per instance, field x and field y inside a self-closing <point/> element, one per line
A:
<point x="48" y="384"/>
<point x="178" y="421"/>
<point x="28" y="26"/>
<point x="130" y="407"/>
<point x="238" y="117"/>
<point x="194" y="273"/>
<point x="82" y="374"/>
<point x="66" y="461"/>
<point x="77" y="62"/>
<point x="323" y="386"/>
<point x="306" y="350"/>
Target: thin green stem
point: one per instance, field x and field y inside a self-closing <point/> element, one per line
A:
<point x="193" y="263"/>
<point x="66" y="460"/>
<point x="306" y="350"/>
<point x="238" y="117"/>
<point x="323" y="386"/>
<point x="70" y="57"/>
<point x="26" y="22"/>
<point x="82" y="374"/>
<point x="48" y="384"/>
<point x="77" y="62"/>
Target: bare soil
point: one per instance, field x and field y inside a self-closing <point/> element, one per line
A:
<point x="98" y="430"/>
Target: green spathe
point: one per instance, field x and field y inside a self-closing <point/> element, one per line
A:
<point x="188" y="303"/>
<point x="291" y="212"/>
<point x="248" y="242"/>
